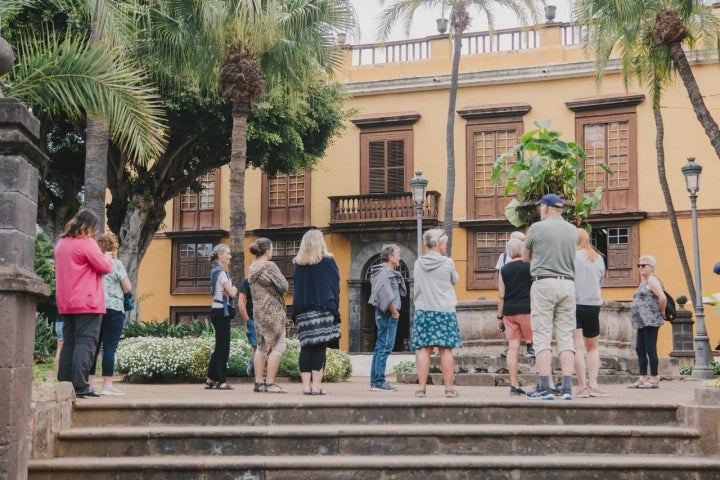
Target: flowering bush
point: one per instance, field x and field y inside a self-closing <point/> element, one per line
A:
<point x="166" y="359"/>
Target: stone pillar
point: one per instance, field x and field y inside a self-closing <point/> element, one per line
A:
<point x="20" y="160"/>
<point x="682" y="331"/>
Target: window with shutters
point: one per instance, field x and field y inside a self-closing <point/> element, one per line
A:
<point x="484" y="249"/>
<point x="284" y="201"/>
<point x="606" y="127"/>
<point x="619" y="245"/>
<point x="486" y="141"/>
<point x="386" y="161"/>
<point x="284" y="250"/>
<point x="191" y="265"/>
<point x="196" y="211"/>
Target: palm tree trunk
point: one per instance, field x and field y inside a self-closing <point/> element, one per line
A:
<point x="677" y="54"/>
<point x="238" y="157"/>
<point x="659" y="146"/>
<point x="96" y="152"/>
<point x="450" y="140"/>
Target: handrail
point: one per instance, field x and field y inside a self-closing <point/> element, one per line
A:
<point x="380" y="207"/>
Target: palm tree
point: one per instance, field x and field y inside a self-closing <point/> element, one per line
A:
<point x="460" y="20"/>
<point x="649" y="36"/>
<point x="278" y="44"/>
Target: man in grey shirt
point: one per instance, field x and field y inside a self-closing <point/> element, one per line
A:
<point x="550" y="248"/>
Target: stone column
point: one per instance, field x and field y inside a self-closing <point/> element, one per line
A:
<point x="682" y="332"/>
<point x="20" y="160"/>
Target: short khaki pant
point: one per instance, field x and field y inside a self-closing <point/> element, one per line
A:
<point x="552" y="305"/>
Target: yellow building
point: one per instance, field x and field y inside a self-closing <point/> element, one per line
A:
<point x="360" y="196"/>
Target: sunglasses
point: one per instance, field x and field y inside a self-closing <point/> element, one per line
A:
<point x="643" y="265"/>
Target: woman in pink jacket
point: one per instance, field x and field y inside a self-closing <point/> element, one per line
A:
<point x="79" y="270"/>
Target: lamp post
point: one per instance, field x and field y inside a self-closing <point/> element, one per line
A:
<point x="418" y="187"/>
<point x="692" y="171"/>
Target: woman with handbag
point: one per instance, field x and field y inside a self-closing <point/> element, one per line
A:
<point x="315" y="307"/>
<point x="648" y="312"/>
<point x="222" y="312"/>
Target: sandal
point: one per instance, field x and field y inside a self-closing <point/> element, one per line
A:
<point x="307" y="393"/>
<point x="260" y="388"/>
<point x="598" y="392"/>
<point x="319" y="392"/>
<point x="582" y="393"/>
<point x="274" y="388"/>
<point x="210" y="384"/>
<point x="451" y="393"/>
<point x="638" y="384"/>
<point x="651" y="385"/>
<point x="420" y="393"/>
<point x="223" y="386"/>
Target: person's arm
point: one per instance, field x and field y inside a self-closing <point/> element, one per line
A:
<point x="656" y="287"/>
<point x="501" y="300"/>
<point x="126" y="285"/>
<point x="228" y="288"/>
<point x="527" y="254"/>
<point x="242" y="307"/>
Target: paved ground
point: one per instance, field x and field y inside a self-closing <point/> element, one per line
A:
<point x="358" y="388"/>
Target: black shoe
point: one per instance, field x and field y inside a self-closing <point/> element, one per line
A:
<point x="556" y="390"/>
<point x="530" y="352"/>
<point x="88" y="394"/>
<point x="504" y="354"/>
<point x="516" y="391"/>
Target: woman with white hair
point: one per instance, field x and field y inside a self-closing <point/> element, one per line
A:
<point x="648" y="312"/>
<point x="435" y="322"/>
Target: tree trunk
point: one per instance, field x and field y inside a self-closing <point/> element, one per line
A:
<point x="450" y="139"/>
<point x="677" y="54"/>
<point x="660" y="148"/>
<point x="238" y="157"/>
<point x="96" y="150"/>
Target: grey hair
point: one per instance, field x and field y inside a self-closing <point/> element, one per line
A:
<point x="648" y="259"/>
<point x="517" y="234"/>
<point x="514" y="247"/>
<point x="388" y="251"/>
<point x="219" y="248"/>
<point x="433" y="237"/>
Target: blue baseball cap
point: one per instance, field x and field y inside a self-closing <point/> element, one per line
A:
<point x="716" y="268"/>
<point x="552" y="200"/>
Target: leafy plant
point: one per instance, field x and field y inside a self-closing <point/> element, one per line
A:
<point x="542" y="163"/>
<point x="406" y="366"/>
<point x="45" y="340"/>
<point x="196" y="328"/>
<point x="688" y="369"/>
<point x="685" y="369"/>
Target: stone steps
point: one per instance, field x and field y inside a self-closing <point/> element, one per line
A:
<point x="360" y="435"/>
<point x="376" y="440"/>
<point x="366" y="467"/>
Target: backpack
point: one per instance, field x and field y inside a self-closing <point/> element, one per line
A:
<point x="670" y="310"/>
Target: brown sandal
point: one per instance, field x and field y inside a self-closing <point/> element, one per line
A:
<point x="274" y="388"/>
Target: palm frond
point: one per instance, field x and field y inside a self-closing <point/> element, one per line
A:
<point x="77" y="78"/>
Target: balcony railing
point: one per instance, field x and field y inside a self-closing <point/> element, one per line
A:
<point x="389" y="208"/>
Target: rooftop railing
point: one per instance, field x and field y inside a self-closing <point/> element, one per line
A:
<point x="474" y="43"/>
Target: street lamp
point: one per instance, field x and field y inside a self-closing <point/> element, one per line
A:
<point x="702" y="369"/>
<point x="418" y="186"/>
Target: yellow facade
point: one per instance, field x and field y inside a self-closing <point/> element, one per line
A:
<point x="545" y="78"/>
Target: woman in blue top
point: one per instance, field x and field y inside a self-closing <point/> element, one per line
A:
<point x="315" y="307"/>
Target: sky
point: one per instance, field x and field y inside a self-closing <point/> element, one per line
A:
<point x="424" y="20"/>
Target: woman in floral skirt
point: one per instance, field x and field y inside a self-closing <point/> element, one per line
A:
<point x="435" y="321"/>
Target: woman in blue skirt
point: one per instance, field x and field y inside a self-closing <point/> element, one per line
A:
<point x="435" y="322"/>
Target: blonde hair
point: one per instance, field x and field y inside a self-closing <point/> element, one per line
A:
<point x="108" y="243"/>
<point x="584" y="244"/>
<point x="648" y="260"/>
<point x="514" y="247"/>
<point x="312" y="249"/>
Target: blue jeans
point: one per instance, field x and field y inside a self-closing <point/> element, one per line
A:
<point x="110" y="333"/>
<point x="386" y="330"/>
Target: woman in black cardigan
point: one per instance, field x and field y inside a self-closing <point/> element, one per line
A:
<point x="315" y="307"/>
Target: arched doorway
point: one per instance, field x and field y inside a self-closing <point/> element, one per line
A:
<point x="368" y="329"/>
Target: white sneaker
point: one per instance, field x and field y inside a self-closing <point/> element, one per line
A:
<point x="110" y="390"/>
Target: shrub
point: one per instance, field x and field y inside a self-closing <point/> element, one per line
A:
<point x="195" y="328"/>
<point x="406" y="366"/>
<point x="45" y="340"/>
<point x="167" y="359"/>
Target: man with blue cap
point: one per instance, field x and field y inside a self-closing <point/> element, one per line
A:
<point x="550" y="249"/>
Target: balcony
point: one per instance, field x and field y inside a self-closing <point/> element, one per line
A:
<point x="386" y="211"/>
